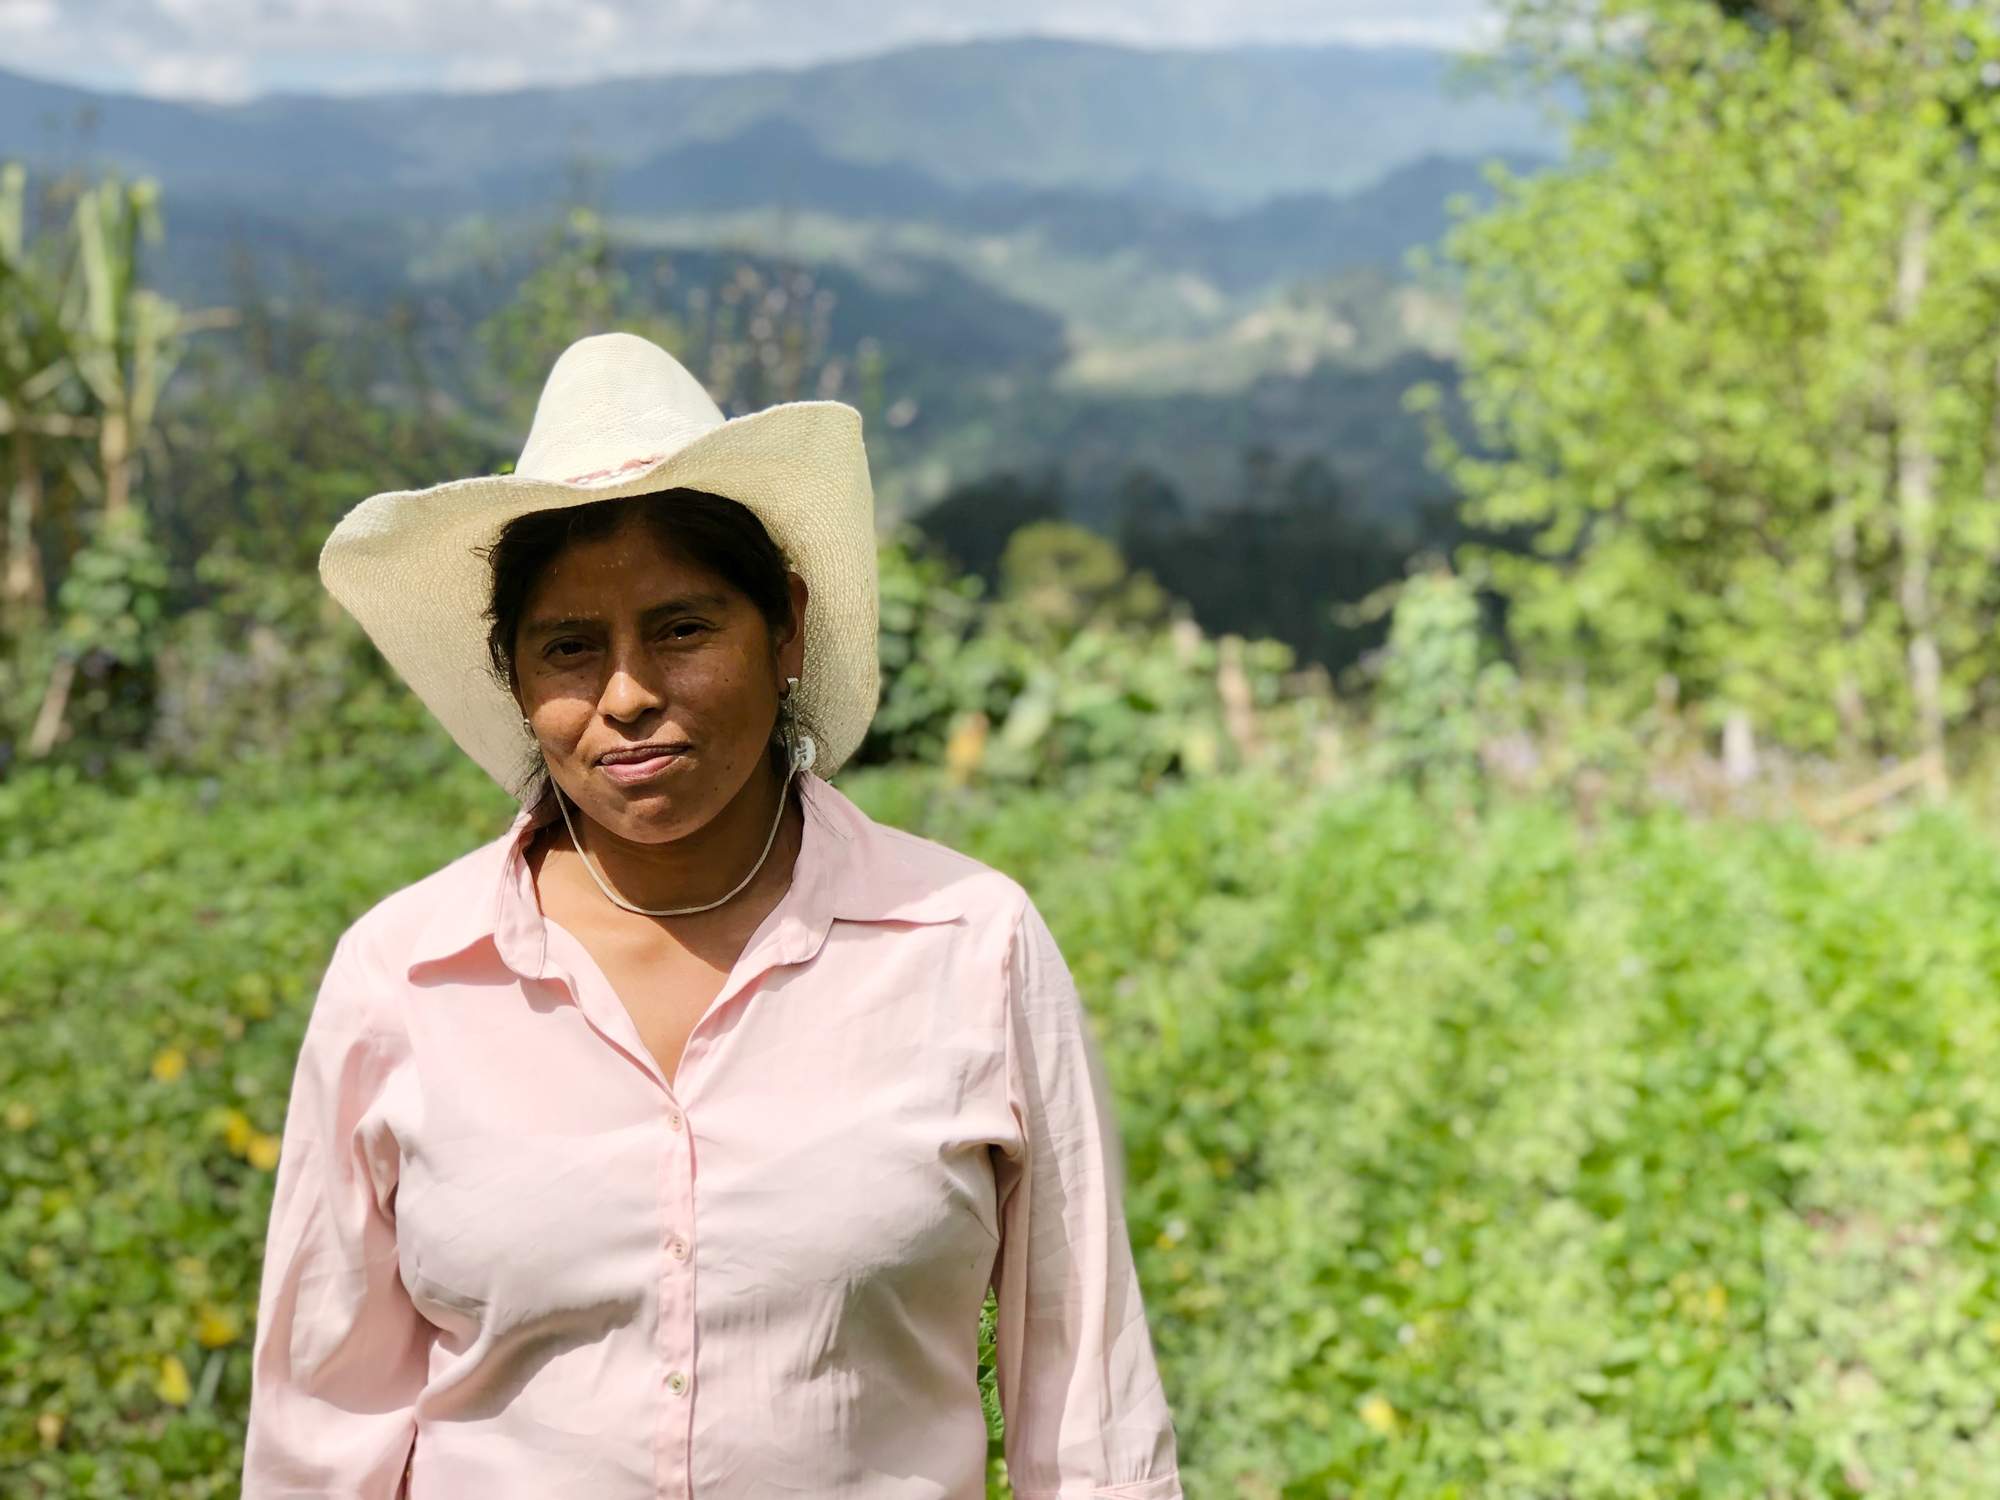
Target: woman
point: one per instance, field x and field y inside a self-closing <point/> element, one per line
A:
<point x="668" y="1145"/>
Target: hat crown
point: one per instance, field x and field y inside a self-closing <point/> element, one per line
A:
<point x="613" y="403"/>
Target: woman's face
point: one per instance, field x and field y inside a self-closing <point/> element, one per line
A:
<point x="651" y="684"/>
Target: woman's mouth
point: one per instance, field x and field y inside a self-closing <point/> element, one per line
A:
<point x="629" y="767"/>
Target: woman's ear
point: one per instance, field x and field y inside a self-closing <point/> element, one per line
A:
<point x="792" y="644"/>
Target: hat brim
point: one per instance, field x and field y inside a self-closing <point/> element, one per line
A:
<point x="410" y="567"/>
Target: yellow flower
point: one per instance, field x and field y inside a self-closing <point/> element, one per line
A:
<point x="965" y="751"/>
<point x="216" y="1326"/>
<point x="236" y="1131"/>
<point x="49" y="1427"/>
<point x="172" y="1387"/>
<point x="1378" y="1415"/>
<point x="170" y="1064"/>
<point x="263" y="1152"/>
<point x="20" y="1115"/>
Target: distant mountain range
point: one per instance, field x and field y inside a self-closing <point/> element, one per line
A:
<point x="779" y="162"/>
<point x="1069" y="260"/>
<point x="1218" y="130"/>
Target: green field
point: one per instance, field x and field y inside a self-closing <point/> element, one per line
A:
<point x="1473" y="1155"/>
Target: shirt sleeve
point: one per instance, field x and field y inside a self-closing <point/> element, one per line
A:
<point x="1079" y="1392"/>
<point x="341" y="1353"/>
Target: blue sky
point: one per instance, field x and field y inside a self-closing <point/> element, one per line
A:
<point x="231" y="49"/>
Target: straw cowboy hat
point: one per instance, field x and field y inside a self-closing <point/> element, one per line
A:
<point x="619" y="416"/>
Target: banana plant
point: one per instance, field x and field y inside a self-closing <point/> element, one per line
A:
<point x="118" y="343"/>
<point x="39" y="400"/>
<point x="124" y="338"/>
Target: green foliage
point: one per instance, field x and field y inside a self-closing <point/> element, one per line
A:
<point x="1427" y="709"/>
<point x="158" y="953"/>
<point x="1496" y="1160"/>
<point x="1296" y="543"/>
<point x="576" y="288"/>
<point x="287" y="422"/>
<point x="1734" y="365"/>
<point x="932" y="674"/>
<point x="1077" y="668"/>
<point x="86" y="349"/>
<point x="110" y="600"/>
<point x="276" y="436"/>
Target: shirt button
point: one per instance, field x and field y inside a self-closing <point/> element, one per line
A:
<point x="677" y="1383"/>
<point x="673" y="1119"/>
<point x="677" y="1248"/>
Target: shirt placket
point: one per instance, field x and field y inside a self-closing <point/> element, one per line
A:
<point x="673" y="1448"/>
<point x="673" y="1437"/>
<point x="673" y="1445"/>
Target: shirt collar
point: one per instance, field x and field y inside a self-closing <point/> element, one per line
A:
<point x="849" y="869"/>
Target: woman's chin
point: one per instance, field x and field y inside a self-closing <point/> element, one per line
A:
<point x="658" y="810"/>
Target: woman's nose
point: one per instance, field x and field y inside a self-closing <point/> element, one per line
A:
<point x="626" y="697"/>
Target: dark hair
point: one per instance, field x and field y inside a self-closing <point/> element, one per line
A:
<point x="713" y="533"/>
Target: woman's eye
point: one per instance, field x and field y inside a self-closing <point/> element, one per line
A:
<point x="565" y="650"/>
<point x="682" y="630"/>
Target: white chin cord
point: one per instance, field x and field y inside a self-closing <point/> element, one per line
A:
<point x="804" y="753"/>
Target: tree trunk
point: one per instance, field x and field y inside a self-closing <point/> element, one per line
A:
<point x="55" y="705"/>
<point x="23" y="593"/>
<point x="1739" y="748"/>
<point x="1851" y="602"/>
<point x="1989" y="485"/>
<point x="1916" y="510"/>
<point x="1239" y="702"/>
<point x="114" y="448"/>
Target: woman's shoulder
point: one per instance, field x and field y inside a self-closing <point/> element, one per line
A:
<point x="893" y="871"/>
<point x="431" y="915"/>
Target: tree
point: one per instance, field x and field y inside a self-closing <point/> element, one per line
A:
<point x="1736" y="366"/>
<point x="119" y="343"/>
<point x="34" y="367"/>
<point x="86" y="350"/>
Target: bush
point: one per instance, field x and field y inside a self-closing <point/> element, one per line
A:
<point x="1077" y="671"/>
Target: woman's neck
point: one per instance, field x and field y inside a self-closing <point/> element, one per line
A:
<point x="701" y="866"/>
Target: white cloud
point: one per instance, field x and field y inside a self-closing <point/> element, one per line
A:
<point x="196" y="75"/>
<point x="26" y="17"/>
<point x="226" y="48"/>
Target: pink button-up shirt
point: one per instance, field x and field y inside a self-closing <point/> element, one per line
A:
<point x="511" y="1258"/>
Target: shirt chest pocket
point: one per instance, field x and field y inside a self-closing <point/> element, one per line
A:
<point x="497" y="1234"/>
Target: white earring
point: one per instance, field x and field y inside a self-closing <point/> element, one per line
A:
<point x="804" y="751"/>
